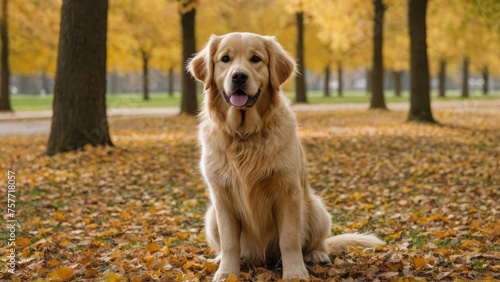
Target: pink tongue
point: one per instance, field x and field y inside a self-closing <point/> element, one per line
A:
<point x="238" y="100"/>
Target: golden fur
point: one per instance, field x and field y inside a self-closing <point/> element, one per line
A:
<point x="254" y="165"/>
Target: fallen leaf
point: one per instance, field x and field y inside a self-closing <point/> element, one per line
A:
<point x="153" y="247"/>
<point x="61" y="274"/>
<point x="418" y="262"/>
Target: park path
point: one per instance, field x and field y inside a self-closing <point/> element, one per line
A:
<point x="38" y="122"/>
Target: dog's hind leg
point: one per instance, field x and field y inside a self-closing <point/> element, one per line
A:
<point x="317" y="230"/>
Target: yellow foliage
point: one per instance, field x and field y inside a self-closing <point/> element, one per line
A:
<point x="61" y="274"/>
<point x="418" y="262"/>
<point x="33" y="36"/>
<point x="153" y="247"/>
<point x="114" y="277"/>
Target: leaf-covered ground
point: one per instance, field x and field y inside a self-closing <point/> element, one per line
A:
<point x="135" y="212"/>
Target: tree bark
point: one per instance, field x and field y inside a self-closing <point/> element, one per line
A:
<point x="377" y="81"/>
<point x="486" y="78"/>
<point x="340" y="77"/>
<point x="145" y="75"/>
<point x="79" y="107"/>
<point x="189" y="103"/>
<point x="420" y="102"/>
<point x="442" y="78"/>
<point x="465" y="78"/>
<point x="397" y="82"/>
<point x="300" y="79"/>
<point x="170" y="82"/>
<point x="326" y="86"/>
<point x="4" y="53"/>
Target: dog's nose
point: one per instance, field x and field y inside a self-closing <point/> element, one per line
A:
<point x="240" y="77"/>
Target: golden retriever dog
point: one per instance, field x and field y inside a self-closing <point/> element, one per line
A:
<point x="253" y="163"/>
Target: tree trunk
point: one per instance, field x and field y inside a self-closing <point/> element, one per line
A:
<point x="340" y="77"/>
<point x="368" y="81"/>
<point x="145" y="75"/>
<point x="442" y="78"/>
<point x="420" y="101"/>
<point x="326" y="86"/>
<point x="377" y="81"/>
<point x="5" y="76"/>
<point x="397" y="82"/>
<point x="189" y="103"/>
<point x="486" y="78"/>
<point x="79" y="107"/>
<point x="171" y="82"/>
<point x="300" y="80"/>
<point x="465" y="78"/>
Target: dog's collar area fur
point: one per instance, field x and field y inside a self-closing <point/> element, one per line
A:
<point x="251" y="100"/>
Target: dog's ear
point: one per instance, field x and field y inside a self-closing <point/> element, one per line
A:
<point x="281" y="65"/>
<point x="201" y="66"/>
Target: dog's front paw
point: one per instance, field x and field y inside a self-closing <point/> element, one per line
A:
<point x="317" y="256"/>
<point x="222" y="276"/>
<point x="296" y="273"/>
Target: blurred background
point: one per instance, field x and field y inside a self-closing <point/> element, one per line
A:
<point x="144" y="46"/>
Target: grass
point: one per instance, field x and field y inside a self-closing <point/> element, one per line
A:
<point x="39" y="103"/>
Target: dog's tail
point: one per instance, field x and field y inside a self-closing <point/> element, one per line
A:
<point x="340" y="243"/>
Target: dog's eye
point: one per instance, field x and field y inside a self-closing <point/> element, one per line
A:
<point x="225" y="59"/>
<point x="255" y="59"/>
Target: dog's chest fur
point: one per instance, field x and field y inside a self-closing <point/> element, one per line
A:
<point x="246" y="169"/>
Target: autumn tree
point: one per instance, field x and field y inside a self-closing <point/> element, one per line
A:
<point x="299" y="9"/>
<point x="377" y="81"/>
<point x="137" y="30"/>
<point x="420" y="102"/>
<point x="396" y="42"/>
<point x="341" y="42"/>
<point x="444" y="31"/>
<point x="485" y="15"/>
<point x="33" y="39"/>
<point x="5" y="76"/>
<point x="79" y="107"/>
<point x="187" y="9"/>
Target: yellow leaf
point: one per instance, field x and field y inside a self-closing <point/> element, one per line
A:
<point x="166" y="250"/>
<point x="232" y="278"/>
<point x="53" y="263"/>
<point x="59" y="216"/>
<point x="114" y="277"/>
<point x="396" y="235"/>
<point x="419" y="262"/>
<point x="153" y="247"/>
<point x="188" y="264"/>
<point x="64" y="242"/>
<point x="125" y="215"/>
<point x="211" y="267"/>
<point x="26" y="252"/>
<point x="475" y="226"/>
<point x="22" y="242"/>
<point x="61" y="274"/>
<point x="467" y="243"/>
<point x="182" y="235"/>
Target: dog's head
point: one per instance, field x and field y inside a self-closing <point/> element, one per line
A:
<point x="242" y="68"/>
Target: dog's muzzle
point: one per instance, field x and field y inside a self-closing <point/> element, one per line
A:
<point x="240" y="99"/>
